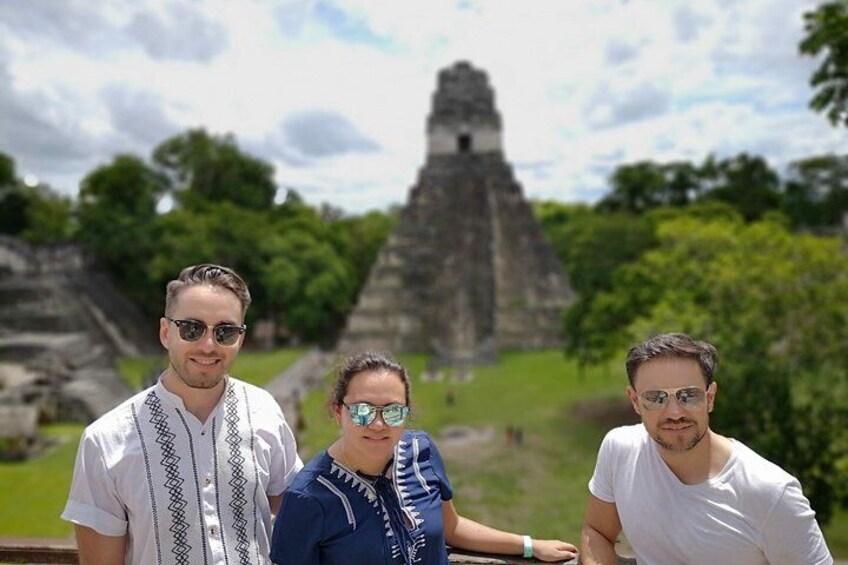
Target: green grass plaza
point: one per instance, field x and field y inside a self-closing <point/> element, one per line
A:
<point x="539" y="485"/>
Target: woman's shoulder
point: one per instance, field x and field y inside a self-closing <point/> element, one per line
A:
<point x="417" y="443"/>
<point x="409" y="435"/>
<point x="305" y="479"/>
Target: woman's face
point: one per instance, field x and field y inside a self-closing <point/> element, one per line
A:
<point x="376" y="441"/>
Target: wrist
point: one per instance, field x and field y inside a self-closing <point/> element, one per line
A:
<point x="528" y="546"/>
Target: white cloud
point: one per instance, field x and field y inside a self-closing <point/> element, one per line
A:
<point x="582" y="86"/>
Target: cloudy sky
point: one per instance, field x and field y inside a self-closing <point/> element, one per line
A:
<point x="335" y="93"/>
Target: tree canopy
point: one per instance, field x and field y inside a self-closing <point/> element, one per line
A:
<point x="775" y="304"/>
<point x="203" y="167"/>
<point x="35" y="213"/>
<point x="826" y="29"/>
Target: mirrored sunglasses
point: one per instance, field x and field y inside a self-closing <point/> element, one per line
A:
<point x="363" y="413"/>
<point x="687" y="396"/>
<point x="193" y="330"/>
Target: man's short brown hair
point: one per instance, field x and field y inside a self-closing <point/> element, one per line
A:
<point x="211" y="275"/>
<point x="673" y="345"/>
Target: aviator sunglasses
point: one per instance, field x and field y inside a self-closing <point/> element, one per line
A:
<point x="363" y="413"/>
<point x="193" y="330"/>
<point x="687" y="396"/>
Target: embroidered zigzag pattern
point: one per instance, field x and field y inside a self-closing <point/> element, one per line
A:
<point x="237" y="482"/>
<point x="173" y="482"/>
<point x="406" y="472"/>
<point x="351" y="518"/>
<point x="403" y="476"/>
<point x="149" y="474"/>
<point x="355" y="482"/>
<point x="417" y="545"/>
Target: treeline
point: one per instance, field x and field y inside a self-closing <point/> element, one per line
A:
<point x="727" y="250"/>
<point x="305" y="265"/>
<point x="731" y="253"/>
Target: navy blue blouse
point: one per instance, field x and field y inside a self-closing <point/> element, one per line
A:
<point x="331" y="515"/>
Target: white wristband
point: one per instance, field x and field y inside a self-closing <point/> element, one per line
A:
<point x="528" y="547"/>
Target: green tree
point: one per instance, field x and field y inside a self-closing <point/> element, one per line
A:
<point x="745" y="182"/>
<point x="826" y="30"/>
<point x="7" y="170"/>
<point x="215" y="233"/>
<point x="49" y="216"/>
<point x="117" y="209"/>
<point x="208" y="168"/>
<point x="816" y="194"/>
<point x="34" y="213"/>
<point x="581" y="239"/>
<point x="776" y="305"/>
<point x="310" y="285"/>
<point x="645" y="185"/>
<point x="14" y="205"/>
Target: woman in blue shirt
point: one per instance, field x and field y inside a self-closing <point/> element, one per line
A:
<point x="379" y="494"/>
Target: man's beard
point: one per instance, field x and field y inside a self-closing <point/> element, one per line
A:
<point x="205" y="384"/>
<point x="690" y="444"/>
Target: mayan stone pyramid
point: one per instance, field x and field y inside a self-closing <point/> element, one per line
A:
<point x="467" y="270"/>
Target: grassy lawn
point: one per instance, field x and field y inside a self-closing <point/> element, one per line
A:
<point x="34" y="492"/>
<point x="539" y="487"/>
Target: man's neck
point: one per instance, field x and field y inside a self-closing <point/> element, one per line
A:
<point x="198" y="401"/>
<point x="701" y="463"/>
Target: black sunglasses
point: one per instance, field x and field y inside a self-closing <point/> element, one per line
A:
<point x="193" y="330"/>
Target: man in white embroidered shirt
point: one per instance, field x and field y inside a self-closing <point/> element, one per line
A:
<point x="190" y="470"/>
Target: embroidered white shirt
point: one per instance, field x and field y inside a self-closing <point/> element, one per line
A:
<point x="183" y="491"/>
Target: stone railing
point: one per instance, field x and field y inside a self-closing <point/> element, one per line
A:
<point x="37" y="551"/>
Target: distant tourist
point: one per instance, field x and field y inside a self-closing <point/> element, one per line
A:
<point x="681" y="492"/>
<point x="379" y="494"/>
<point x="191" y="469"/>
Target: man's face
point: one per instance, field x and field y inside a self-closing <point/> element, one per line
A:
<point x="673" y="426"/>
<point x="202" y="363"/>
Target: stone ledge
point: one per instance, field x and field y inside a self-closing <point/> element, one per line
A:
<point x="37" y="551"/>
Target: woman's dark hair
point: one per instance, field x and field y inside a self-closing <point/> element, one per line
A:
<point x="366" y="361"/>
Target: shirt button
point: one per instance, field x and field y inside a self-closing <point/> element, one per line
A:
<point x="208" y="481"/>
<point x="213" y="530"/>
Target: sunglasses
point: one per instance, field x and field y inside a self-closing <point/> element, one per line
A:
<point x="193" y="330"/>
<point x="687" y="396"/>
<point x="363" y="413"/>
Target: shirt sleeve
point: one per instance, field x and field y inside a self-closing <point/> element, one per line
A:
<point x="791" y="533"/>
<point x="297" y="531"/>
<point x="93" y="500"/>
<point x="285" y="462"/>
<point x="601" y="483"/>
<point x="439" y="469"/>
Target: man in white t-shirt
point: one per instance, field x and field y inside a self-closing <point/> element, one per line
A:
<point x="682" y="493"/>
<point x="190" y="470"/>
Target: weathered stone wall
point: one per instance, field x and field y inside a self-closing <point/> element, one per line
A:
<point x="63" y="325"/>
<point x="20" y="258"/>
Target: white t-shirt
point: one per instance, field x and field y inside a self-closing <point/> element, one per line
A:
<point x="753" y="512"/>
<point x="185" y="492"/>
